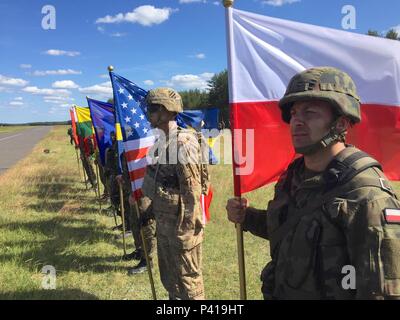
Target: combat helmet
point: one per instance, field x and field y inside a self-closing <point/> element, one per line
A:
<point x="167" y="97"/>
<point x="325" y="84"/>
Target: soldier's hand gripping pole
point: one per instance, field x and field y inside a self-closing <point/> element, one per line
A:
<point x="121" y="201"/>
<point x="146" y="255"/>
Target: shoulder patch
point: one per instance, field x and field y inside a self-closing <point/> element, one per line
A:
<point x="392" y="215"/>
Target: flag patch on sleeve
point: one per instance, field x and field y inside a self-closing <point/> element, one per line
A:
<point x="392" y="215"/>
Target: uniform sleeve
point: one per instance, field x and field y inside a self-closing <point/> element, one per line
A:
<point x="256" y="222"/>
<point x="373" y="244"/>
<point x="188" y="173"/>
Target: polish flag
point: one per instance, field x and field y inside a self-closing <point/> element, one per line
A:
<point x="264" y="53"/>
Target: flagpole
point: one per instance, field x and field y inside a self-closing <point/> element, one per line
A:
<point x="77" y="160"/>
<point x="239" y="229"/>
<point x="153" y="290"/>
<point x="98" y="182"/>
<point x="121" y="201"/>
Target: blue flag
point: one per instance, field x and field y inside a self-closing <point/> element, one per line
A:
<point x="199" y="120"/>
<point x="103" y="120"/>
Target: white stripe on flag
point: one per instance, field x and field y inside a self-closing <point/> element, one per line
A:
<point x="136" y="184"/>
<point x="393" y="212"/>
<point x="138" y="164"/>
<point x="266" y="52"/>
<point x="139" y="143"/>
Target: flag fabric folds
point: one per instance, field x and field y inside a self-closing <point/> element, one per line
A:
<point x="73" y="125"/>
<point x="264" y="53"/>
<point x="130" y="111"/>
<point x="103" y="120"/>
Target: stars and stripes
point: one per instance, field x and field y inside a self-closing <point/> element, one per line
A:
<point x="136" y="130"/>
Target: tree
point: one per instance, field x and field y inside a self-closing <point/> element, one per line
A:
<point x="194" y="99"/>
<point x="373" y="33"/>
<point x="218" y="95"/>
<point x="111" y="101"/>
<point x="392" y="34"/>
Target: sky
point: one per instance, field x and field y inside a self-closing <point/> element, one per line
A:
<point x="175" y="43"/>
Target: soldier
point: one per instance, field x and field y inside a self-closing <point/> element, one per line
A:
<point x="174" y="184"/>
<point x="71" y="139"/>
<point x="333" y="208"/>
<point x="87" y="150"/>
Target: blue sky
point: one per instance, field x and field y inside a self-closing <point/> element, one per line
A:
<point x="177" y="43"/>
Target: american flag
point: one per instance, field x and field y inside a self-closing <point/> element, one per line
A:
<point x="130" y="109"/>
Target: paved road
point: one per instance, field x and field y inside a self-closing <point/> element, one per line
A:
<point x="16" y="145"/>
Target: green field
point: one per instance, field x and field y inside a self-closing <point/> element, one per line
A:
<point x="48" y="218"/>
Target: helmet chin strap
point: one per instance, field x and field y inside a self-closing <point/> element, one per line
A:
<point x="325" y="142"/>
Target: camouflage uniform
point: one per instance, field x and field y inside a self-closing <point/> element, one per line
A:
<point x="175" y="190"/>
<point x="110" y="172"/>
<point x="87" y="150"/>
<point x="318" y="223"/>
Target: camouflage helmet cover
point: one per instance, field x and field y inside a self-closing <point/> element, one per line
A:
<point x="167" y="97"/>
<point x="323" y="83"/>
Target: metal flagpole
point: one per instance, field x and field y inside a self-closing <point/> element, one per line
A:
<point x="239" y="230"/>
<point x="153" y="290"/>
<point x="98" y="183"/>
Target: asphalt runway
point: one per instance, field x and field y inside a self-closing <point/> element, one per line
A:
<point x="15" y="146"/>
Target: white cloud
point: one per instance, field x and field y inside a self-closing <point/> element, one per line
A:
<point x="200" y="56"/>
<point x="55" y="52"/>
<point x="65" y="84"/>
<point x="279" y="3"/>
<point x="104" y="89"/>
<point x="190" y="81"/>
<point x="104" y="76"/>
<point x="118" y="35"/>
<point x="57" y="99"/>
<point x="7" y="81"/>
<point x="18" y="98"/>
<point x="25" y="66"/>
<point x="148" y="82"/>
<point x="61" y="72"/>
<point x="16" y="103"/>
<point x="192" y="1"/>
<point x="216" y="3"/>
<point x="47" y="92"/>
<point x="145" y="15"/>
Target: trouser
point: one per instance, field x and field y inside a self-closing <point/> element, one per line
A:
<point x="149" y="233"/>
<point x="102" y="177"/>
<point x="180" y="270"/>
<point x="89" y="169"/>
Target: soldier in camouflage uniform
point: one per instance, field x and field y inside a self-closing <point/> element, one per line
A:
<point x="174" y="184"/>
<point x="332" y="208"/>
<point x="87" y="151"/>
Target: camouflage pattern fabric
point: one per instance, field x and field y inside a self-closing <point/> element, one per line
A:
<point x="348" y="229"/>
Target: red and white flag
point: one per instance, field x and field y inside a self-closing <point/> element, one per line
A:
<point x="264" y="53"/>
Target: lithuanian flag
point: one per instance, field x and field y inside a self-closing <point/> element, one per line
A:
<point x="84" y="126"/>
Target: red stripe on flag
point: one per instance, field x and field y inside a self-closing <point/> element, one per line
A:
<point x="137" y="174"/>
<point x="378" y="134"/>
<point x="132" y="155"/>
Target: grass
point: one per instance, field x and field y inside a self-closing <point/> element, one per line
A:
<point x="13" y="129"/>
<point x="48" y="218"/>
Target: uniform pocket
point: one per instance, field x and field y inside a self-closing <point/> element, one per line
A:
<point x="302" y="252"/>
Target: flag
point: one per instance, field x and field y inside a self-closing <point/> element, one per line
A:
<point x="130" y="110"/>
<point x="73" y="124"/>
<point x="84" y="129"/>
<point x="103" y="118"/>
<point x="202" y="120"/>
<point x="84" y="123"/>
<point x="265" y="53"/>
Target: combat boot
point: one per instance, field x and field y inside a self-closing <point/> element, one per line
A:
<point x="135" y="255"/>
<point x="139" y="268"/>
